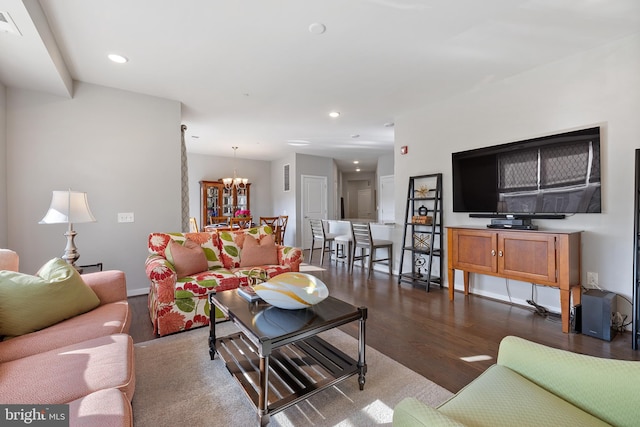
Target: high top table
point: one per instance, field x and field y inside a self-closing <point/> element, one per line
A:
<point x="279" y="349"/>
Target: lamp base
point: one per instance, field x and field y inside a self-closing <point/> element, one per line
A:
<point x="71" y="254"/>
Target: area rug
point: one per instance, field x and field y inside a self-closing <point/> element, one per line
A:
<point x="177" y="384"/>
<point x="308" y="268"/>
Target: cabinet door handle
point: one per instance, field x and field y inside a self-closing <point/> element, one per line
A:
<point x="499" y="253"/>
<point x="493" y="252"/>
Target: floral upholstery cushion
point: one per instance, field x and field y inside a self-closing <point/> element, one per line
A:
<point x="202" y="283"/>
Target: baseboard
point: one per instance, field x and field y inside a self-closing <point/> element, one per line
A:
<point x="505" y="298"/>
<point x="136" y="292"/>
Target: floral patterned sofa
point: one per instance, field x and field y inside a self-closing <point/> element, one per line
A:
<point x="178" y="304"/>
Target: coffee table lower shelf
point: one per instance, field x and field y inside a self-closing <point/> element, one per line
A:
<point x="296" y="371"/>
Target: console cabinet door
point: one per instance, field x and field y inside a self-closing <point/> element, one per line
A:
<point x="527" y="256"/>
<point x="475" y="250"/>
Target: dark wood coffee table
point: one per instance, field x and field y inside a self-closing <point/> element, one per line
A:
<point x="277" y="356"/>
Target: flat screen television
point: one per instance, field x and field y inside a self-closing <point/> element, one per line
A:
<point x="548" y="176"/>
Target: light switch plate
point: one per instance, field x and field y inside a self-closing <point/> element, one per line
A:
<point x="125" y="217"/>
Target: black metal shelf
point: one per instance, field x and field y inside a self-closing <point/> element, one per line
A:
<point x="423" y="254"/>
<point x="636" y="258"/>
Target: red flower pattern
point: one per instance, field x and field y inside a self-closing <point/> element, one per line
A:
<point x="158" y="242"/>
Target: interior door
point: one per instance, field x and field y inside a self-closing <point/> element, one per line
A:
<point x="314" y="204"/>
<point x="365" y="204"/>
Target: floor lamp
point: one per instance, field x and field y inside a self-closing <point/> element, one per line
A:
<point x="68" y="207"/>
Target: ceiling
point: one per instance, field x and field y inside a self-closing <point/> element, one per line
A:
<point x="256" y="73"/>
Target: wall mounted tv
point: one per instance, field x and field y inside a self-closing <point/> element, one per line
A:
<point x="543" y="177"/>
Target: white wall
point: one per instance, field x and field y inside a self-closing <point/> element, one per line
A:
<point x="316" y="166"/>
<point x="385" y="165"/>
<point x="122" y="148"/>
<point x="284" y="202"/>
<point x="3" y="167"/>
<point x="211" y="168"/>
<point x="599" y="87"/>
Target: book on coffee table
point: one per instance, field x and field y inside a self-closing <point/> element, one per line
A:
<point x="248" y="293"/>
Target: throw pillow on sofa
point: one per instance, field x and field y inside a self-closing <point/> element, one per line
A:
<point x="258" y="252"/>
<point x="187" y="259"/>
<point x="29" y="303"/>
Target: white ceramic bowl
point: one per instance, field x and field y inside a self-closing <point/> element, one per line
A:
<point x="292" y="290"/>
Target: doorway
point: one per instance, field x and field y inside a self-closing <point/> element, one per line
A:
<point x="314" y="204"/>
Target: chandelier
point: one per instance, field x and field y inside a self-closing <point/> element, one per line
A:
<point x="239" y="183"/>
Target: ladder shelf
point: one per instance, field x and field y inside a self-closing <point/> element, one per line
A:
<point x="422" y="240"/>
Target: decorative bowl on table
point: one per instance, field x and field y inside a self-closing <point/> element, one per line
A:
<point x="292" y="291"/>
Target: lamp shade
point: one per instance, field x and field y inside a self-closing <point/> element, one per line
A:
<point x="68" y="207"/>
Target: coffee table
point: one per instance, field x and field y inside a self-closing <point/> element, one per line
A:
<point x="277" y="356"/>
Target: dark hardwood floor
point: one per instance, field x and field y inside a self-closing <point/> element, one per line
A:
<point x="428" y="333"/>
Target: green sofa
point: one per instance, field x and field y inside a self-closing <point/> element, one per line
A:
<point x="536" y="385"/>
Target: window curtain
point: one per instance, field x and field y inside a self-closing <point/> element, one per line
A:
<point x="185" y="180"/>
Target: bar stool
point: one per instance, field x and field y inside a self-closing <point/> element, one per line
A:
<point x="318" y="232"/>
<point x="363" y="240"/>
<point x="344" y="249"/>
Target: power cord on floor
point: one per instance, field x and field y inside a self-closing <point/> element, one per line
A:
<point x="542" y="311"/>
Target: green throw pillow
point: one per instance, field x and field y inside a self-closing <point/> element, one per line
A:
<point x="29" y="303"/>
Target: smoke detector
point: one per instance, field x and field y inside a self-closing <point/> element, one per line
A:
<point x="7" y="25"/>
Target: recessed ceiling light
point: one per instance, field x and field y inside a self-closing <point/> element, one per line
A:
<point x="298" y="142"/>
<point x="334" y="114"/>
<point x="317" y="28"/>
<point x="119" y="59"/>
<point x="358" y="170"/>
<point x="355" y="162"/>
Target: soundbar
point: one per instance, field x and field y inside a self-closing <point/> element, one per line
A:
<point x="512" y="223"/>
<point x="530" y="216"/>
<point x="513" y="227"/>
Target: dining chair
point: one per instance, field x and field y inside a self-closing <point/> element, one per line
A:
<point x="282" y="220"/>
<point x="319" y="234"/>
<point x="273" y="222"/>
<point x="193" y="225"/>
<point x="240" y="222"/>
<point x="362" y="239"/>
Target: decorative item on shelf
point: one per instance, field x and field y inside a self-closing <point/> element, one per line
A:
<point x="422" y="220"/>
<point x="292" y="291"/>
<point x="242" y="213"/>
<point x="420" y="262"/>
<point x="68" y="207"/>
<point x="239" y="183"/>
<point x="423" y="211"/>
<point x="422" y="191"/>
<point x="422" y="241"/>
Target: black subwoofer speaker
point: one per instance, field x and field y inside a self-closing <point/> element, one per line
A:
<point x="597" y="308"/>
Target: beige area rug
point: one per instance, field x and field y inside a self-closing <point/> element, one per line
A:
<point x="305" y="268"/>
<point x="179" y="385"/>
